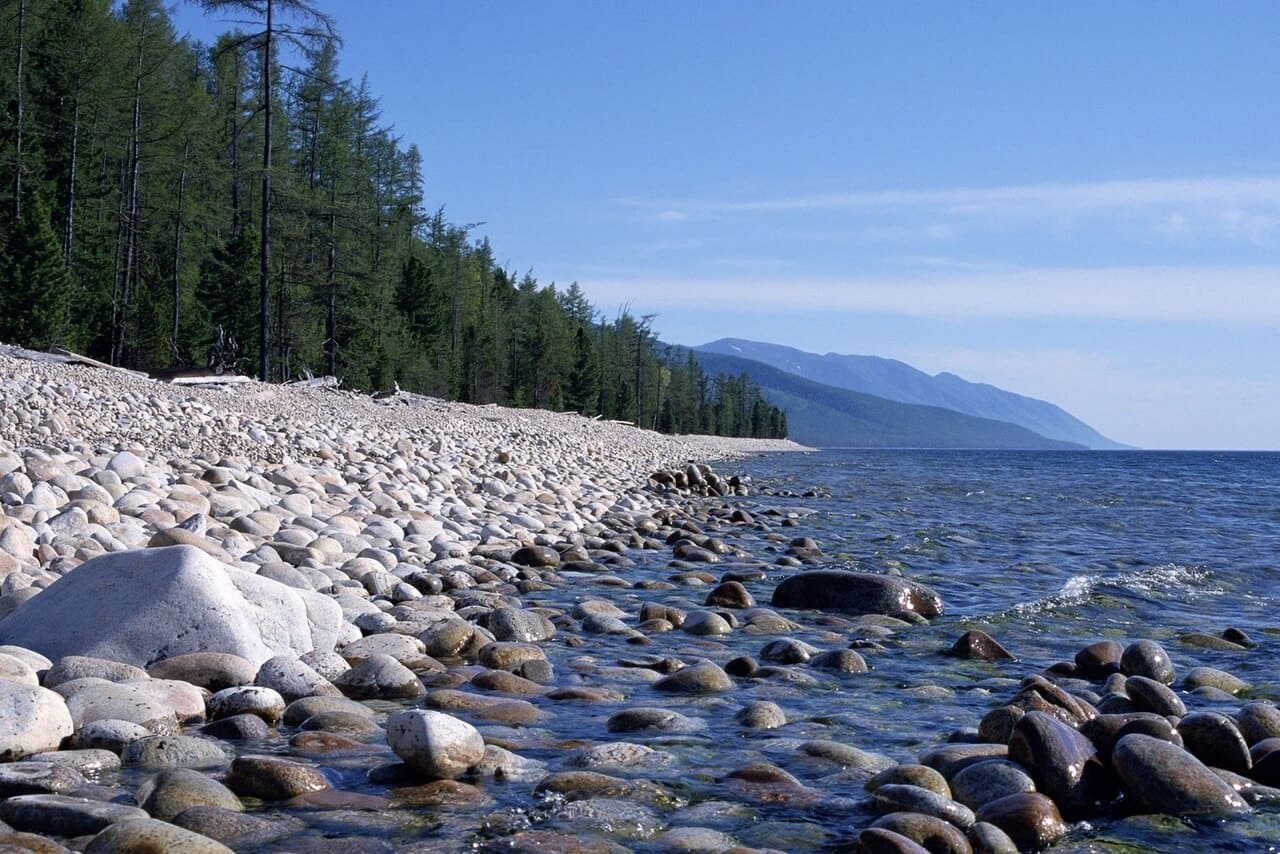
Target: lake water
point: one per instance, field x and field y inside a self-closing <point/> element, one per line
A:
<point x="1049" y="552"/>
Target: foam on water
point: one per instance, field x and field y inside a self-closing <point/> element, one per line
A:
<point x="1168" y="581"/>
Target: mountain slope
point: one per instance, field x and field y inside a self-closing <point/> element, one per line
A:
<point x="894" y="380"/>
<point x="826" y="416"/>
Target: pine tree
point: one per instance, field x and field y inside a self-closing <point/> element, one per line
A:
<point x="35" y="290"/>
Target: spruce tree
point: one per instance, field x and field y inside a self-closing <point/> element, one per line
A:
<point x="35" y="296"/>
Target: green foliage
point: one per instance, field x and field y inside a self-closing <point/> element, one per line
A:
<point x="143" y="158"/>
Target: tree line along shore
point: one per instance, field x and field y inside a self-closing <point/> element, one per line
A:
<point x="242" y="206"/>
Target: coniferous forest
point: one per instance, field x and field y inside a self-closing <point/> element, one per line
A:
<point x="241" y="205"/>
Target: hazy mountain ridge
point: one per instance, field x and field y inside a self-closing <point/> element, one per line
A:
<point x="897" y="381"/>
<point x="827" y="416"/>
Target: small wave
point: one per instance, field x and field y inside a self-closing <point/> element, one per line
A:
<point x="1156" y="582"/>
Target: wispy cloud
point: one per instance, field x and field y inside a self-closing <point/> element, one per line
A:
<point x="1246" y="192"/>
<point x="1231" y="295"/>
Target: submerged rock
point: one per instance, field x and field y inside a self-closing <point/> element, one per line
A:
<point x="856" y="592"/>
<point x="1164" y="778"/>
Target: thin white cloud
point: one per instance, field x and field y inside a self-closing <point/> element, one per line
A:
<point x="1230" y="295"/>
<point x="1059" y="198"/>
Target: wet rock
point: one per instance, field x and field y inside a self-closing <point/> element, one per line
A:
<point x="856" y="592"/>
<point x="168" y="793"/>
<point x="839" y="661"/>
<point x="996" y="726"/>
<point x="1208" y="677"/>
<point x="440" y="793"/>
<point x="705" y="623"/>
<point x="174" y="751"/>
<point x="113" y="735"/>
<point x="515" y="624"/>
<point x="1105" y="730"/>
<point x="293" y="679"/>
<point x="437" y="745"/>
<point x="761" y="714"/>
<point x="131" y="836"/>
<point x="880" y="840"/>
<point x="38" y="778"/>
<point x="380" y="677"/>
<point x="1064" y="763"/>
<point x="1148" y="695"/>
<point x="536" y="556"/>
<point x="1258" y="720"/>
<point x="236" y="829"/>
<point x="938" y="836"/>
<point x="242" y="727"/>
<point x="507" y="656"/>
<point x="272" y="778"/>
<point x="32" y="720"/>
<point x="264" y="703"/>
<point x="1030" y="819"/>
<point x="983" y="782"/>
<point x="787" y="651"/>
<point x="899" y="797"/>
<point x="63" y="815"/>
<point x="696" y="839"/>
<point x="986" y="838"/>
<point x="846" y="756"/>
<point x="912" y="775"/>
<point x="949" y="759"/>
<point x="1099" y="660"/>
<point x="704" y="678"/>
<point x="1149" y="659"/>
<point x="980" y="645"/>
<point x="1165" y="778"/>
<point x="646" y="718"/>
<point x="1215" y="740"/>
<point x="730" y="594"/>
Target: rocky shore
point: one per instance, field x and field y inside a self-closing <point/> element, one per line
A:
<point x="296" y="618"/>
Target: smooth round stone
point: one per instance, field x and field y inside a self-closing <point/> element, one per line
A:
<point x="437" y="745"/>
<point x="507" y="683"/>
<point x="1030" y="819"/>
<point x="845" y="755"/>
<point x="91" y="762"/>
<point x="264" y="703"/>
<point x="32" y="720"/>
<point x="1258" y="720"/>
<point x="706" y="624"/>
<point x="730" y="594"/>
<point x="293" y="679"/>
<point x="986" y="838"/>
<point x="1099" y="660"/>
<point x="168" y="793"/>
<point x="516" y="624"/>
<point x="900" y="797"/>
<point x="787" y="651"/>
<point x="1064" y="763"/>
<point x="135" y="835"/>
<point x="983" y="782"/>
<point x="938" y="836"/>
<point x="949" y="759"/>
<point x="326" y="744"/>
<point x="614" y="754"/>
<point x="271" y="778"/>
<point x="646" y="718"/>
<point x="696" y="839"/>
<point x="236" y="829"/>
<point x="448" y="639"/>
<point x="1266" y="770"/>
<point x="996" y="726"/>
<point x="63" y="815"/>
<point x="911" y="775"/>
<point x="242" y="727"/>
<point x="977" y="644"/>
<point x="440" y="793"/>
<point x="761" y="714"/>
<point x="1149" y="659"/>
<point x="15" y="669"/>
<point x="1148" y="695"/>
<point x="403" y="648"/>
<point x="1209" y="677"/>
<point x="880" y="840"/>
<point x="699" y="679"/>
<point x="338" y="721"/>
<point x="1165" y="778"/>
<point x="380" y="677"/>
<point x="108" y="734"/>
<point x="13" y="842"/>
<point x="299" y="710"/>
<point x="839" y="661"/>
<point x="1214" y="739"/>
<point x="505" y="655"/>
<point x="213" y="671"/>
<point x="174" y="751"/>
<point x="37" y="778"/>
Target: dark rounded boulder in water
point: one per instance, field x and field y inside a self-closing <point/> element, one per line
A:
<point x="856" y="592"/>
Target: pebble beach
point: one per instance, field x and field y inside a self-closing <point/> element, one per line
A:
<point x="297" y="618"/>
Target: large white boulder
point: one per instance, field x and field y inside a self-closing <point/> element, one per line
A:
<point x="32" y="720"/>
<point x="141" y="607"/>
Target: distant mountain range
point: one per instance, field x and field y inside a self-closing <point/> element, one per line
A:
<point x="868" y="401"/>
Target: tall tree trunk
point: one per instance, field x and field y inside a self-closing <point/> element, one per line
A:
<point x="69" y="228"/>
<point x="17" y="114"/>
<point x="331" y="318"/>
<point x="131" y="217"/>
<point x="264" y="250"/>
<point x="235" y="149"/>
<point x="177" y="246"/>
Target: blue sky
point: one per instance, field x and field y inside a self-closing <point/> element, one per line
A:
<point x="1079" y="202"/>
